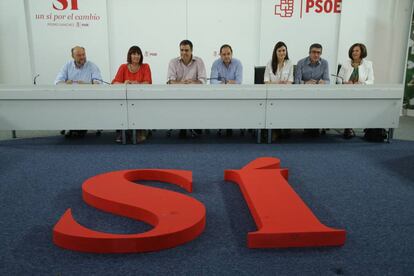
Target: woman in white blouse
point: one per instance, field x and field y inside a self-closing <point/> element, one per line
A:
<point x="356" y="70"/>
<point x="279" y="70"/>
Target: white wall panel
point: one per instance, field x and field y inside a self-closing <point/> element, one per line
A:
<point x="298" y="32"/>
<point x="15" y="67"/>
<point x="52" y="39"/>
<point x="217" y="22"/>
<point x="156" y="26"/>
<point x="383" y="27"/>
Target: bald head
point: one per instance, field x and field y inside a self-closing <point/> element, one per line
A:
<point x="79" y="55"/>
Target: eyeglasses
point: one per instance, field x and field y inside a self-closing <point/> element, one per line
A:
<point x="316" y="52"/>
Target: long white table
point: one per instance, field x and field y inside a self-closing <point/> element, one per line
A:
<point x="63" y="107"/>
<point x="334" y="106"/>
<point x="199" y="106"/>
<point x="196" y="106"/>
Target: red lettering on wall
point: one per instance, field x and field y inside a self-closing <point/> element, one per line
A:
<point x="323" y="6"/>
<point x="328" y="6"/>
<point x="282" y="218"/>
<point x="74" y="5"/>
<point x="64" y="5"/>
<point x="309" y="4"/>
<point x="337" y="6"/>
<point x="176" y="218"/>
<point x="318" y="5"/>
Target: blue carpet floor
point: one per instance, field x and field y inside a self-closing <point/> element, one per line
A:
<point x="365" y="188"/>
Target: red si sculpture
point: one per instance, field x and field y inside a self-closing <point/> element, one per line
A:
<point x="282" y="218"/>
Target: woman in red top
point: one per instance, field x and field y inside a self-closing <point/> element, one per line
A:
<point x="134" y="72"/>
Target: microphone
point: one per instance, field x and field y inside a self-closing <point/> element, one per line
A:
<point x="35" y="78"/>
<point x="95" y="79"/>
<point x="339" y="77"/>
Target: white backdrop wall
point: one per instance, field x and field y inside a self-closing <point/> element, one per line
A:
<point x="156" y="26"/>
<point x="52" y="39"/>
<point x="15" y="66"/>
<point x="298" y="33"/>
<point x="28" y="46"/>
<point x="217" y="22"/>
<point x="383" y="26"/>
<point x="163" y="24"/>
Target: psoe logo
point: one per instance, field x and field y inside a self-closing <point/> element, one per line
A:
<point x="285" y="8"/>
<point x="323" y="6"/>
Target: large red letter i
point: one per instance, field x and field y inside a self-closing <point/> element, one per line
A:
<point x="282" y="218"/>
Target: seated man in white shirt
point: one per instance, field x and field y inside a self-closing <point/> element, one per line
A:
<point x="186" y="69"/>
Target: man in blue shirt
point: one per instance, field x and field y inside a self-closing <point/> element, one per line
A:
<point x="79" y="70"/>
<point x="312" y="69"/>
<point x="226" y="70"/>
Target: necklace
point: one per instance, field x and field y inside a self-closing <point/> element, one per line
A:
<point x="356" y="64"/>
<point x="133" y="69"/>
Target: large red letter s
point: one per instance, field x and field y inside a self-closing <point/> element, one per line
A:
<point x="282" y="218"/>
<point x="176" y="218"/>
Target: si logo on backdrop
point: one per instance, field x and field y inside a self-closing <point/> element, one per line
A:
<point x="282" y="218"/>
<point x="61" y="5"/>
